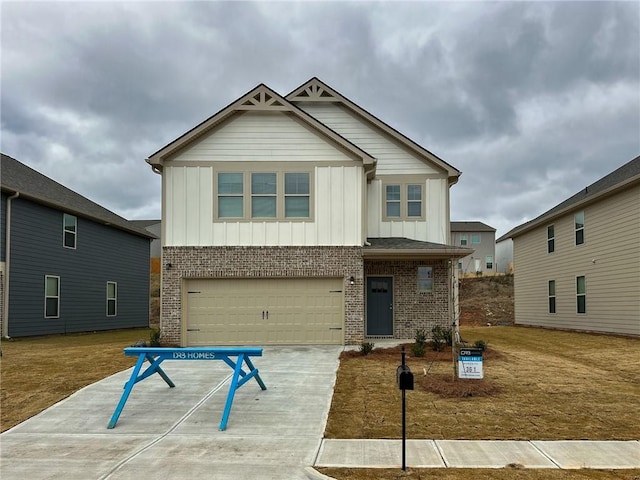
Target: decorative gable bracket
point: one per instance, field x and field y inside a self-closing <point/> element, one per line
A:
<point x="262" y="99"/>
<point x="313" y="92"/>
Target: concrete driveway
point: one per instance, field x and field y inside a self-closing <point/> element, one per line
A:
<point x="173" y="433"/>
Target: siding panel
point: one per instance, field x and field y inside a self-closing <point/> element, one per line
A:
<point x="103" y="254"/>
<point x="609" y="259"/>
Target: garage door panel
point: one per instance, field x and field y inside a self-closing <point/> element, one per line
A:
<point x="264" y="311"/>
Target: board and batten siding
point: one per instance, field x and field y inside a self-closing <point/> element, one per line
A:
<point x="393" y="159"/>
<point x="189" y="214"/>
<point x="435" y="227"/>
<point x="609" y="259"/>
<point x="102" y="254"/>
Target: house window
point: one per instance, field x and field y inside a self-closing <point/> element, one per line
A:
<point x="51" y="296"/>
<point x="581" y="294"/>
<point x="296" y="195"/>
<point x="425" y="279"/>
<point x="463" y="239"/>
<point x="393" y="201"/>
<point x="230" y="195"/>
<point x="264" y="195"/>
<point x="112" y="299"/>
<point x="403" y="200"/>
<point x="475" y="238"/>
<point x="259" y="195"/>
<point x="489" y="262"/>
<point x="69" y="230"/>
<point x="551" y="239"/>
<point x="579" y="224"/>
<point x="552" y="296"/>
<point x="414" y="200"/>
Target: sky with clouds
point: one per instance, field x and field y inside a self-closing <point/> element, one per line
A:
<point x="532" y="101"/>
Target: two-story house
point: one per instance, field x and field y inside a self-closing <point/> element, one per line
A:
<point x="482" y="239"/>
<point x="302" y="219"/>
<point x="66" y="263"/>
<point x="577" y="266"/>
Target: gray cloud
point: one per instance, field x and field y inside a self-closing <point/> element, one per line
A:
<point x="532" y="101"/>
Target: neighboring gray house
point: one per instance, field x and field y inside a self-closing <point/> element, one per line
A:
<point x="66" y="263"/>
<point x="154" y="227"/>
<point x="504" y="255"/>
<point x="577" y="266"/>
<point x="482" y="239"/>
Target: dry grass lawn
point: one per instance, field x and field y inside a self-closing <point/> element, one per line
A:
<point x="37" y="372"/>
<point x="539" y="384"/>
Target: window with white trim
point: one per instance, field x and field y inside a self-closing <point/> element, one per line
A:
<point x="579" y="227"/>
<point x="112" y="299"/>
<point x="463" y="239"/>
<point x="425" y="279"/>
<point x="551" y="239"/>
<point x="581" y="294"/>
<point x="489" y="262"/>
<point x="51" y="296"/>
<point x="230" y="195"/>
<point x="264" y="195"/>
<point x="552" y="296"/>
<point x="69" y="230"/>
<point x="475" y="238"/>
<point x="296" y="195"/>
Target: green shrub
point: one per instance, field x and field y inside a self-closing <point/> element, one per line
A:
<point x="421" y="337"/>
<point x="481" y="344"/>
<point x="366" y="348"/>
<point x="154" y="338"/>
<point x="441" y="336"/>
<point x="418" y="349"/>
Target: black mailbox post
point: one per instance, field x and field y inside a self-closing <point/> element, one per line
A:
<point x="404" y="379"/>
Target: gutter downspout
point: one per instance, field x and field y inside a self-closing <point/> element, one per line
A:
<point x="7" y="262"/>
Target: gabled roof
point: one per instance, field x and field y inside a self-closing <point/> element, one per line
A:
<point x="262" y="99"/>
<point x="471" y="227"/>
<point x="624" y="177"/>
<point x="315" y="90"/>
<point x="16" y="177"/>
<point x="408" y="249"/>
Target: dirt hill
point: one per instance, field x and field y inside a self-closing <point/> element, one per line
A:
<point x="486" y="300"/>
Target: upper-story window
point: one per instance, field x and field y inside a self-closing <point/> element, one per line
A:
<point x="551" y="239"/>
<point x="230" y="195"/>
<point x="403" y="201"/>
<point x="296" y="195"/>
<point x="579" y="226"/>
<point x="463" y="239"/>
<point x="263" y="195"/>
<point x="69" y="230"/>
<point x="475" y="238"/>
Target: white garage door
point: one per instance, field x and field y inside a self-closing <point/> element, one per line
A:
<point x="262" y="312"/>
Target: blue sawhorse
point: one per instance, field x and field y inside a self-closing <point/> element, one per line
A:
<point x="156" y="355"/>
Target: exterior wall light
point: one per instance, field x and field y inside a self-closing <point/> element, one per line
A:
<point x="352" y="281"/>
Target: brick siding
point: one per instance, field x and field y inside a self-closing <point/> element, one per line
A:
<point x="412" y="309"/>
<point x="260" y="262"/>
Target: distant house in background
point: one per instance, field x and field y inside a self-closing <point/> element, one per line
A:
<point x="577" y="266"/>
<point x="481" y="238"/>
<point x="504" y="255"/>
<point x="154" y="227"/>
<point x="66" y="263"/>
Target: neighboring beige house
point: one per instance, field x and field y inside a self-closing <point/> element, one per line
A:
<point x="577" y="266"/>
<point x="302" y="220"/>
<point x="482" y="239"/>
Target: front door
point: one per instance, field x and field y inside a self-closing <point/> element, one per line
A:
<point x="379" y="306"/>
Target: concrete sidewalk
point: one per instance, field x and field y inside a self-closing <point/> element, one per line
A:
<point x="172" y="433"/>
<point x="480" y="454"/>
